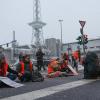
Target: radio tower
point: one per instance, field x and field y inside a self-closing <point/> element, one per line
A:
<point x="37" y="25"/>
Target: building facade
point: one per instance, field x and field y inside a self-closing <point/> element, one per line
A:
<point x="54" y="46"/>
<point x="92" y="45"/>
<point x="13" y="54"/>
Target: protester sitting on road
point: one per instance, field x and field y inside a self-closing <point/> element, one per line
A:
<point x="25" y="67"/>
<point x="54" y="69"/>
<point x="64" y="63"/>
<point x="5" y="70"/>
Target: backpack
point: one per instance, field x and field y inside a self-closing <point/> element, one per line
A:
<point x="37" y="76"/>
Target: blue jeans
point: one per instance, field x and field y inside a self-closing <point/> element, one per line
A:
<point x="12" y="76"/>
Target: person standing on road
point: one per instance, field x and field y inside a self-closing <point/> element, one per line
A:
<point x="39" y="55"/>
<point x="75" y="60"/>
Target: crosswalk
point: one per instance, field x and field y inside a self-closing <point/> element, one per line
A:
<point x="48" y="91"/>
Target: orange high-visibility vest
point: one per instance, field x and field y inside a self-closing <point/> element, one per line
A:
<point x="50" y="70"/>
<point x="51" y="66"/>
<point x="76" y="55"/>
<point x="3" y="70"/>
<point x="23" y="69"/>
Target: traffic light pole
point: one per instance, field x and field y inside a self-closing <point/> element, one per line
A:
<point x="81" y="30"/>
<point x="82" y="23"/>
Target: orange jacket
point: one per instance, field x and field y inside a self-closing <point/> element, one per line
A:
<point x="64" y="64"/>
<point x="3" y="70"/>
<point x="22" y="67"/>
<point x="51" y="66"/>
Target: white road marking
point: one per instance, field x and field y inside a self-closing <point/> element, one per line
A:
<point x="48" y="91"/>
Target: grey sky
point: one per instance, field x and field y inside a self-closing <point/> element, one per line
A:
<point x="16" y="14"/>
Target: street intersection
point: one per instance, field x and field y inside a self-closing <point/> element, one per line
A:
<point x="61" y="88"/>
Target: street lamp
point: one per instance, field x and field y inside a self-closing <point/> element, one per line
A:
<point x="60" y="21"/>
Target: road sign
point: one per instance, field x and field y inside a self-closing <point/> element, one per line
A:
<point x="82" y="23"/>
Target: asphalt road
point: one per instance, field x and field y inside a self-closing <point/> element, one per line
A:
<point x="32" y="86"/>
<point x="89" y="91"/>
<point x="86" y="92"/>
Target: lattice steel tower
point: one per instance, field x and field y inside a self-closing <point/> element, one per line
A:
<point x="37" y="25"/>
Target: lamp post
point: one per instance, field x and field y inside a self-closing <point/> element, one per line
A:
<point x="60" y="21"/>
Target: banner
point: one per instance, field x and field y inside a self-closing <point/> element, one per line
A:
<point x="10" y="83"/>
<point x="72" y="70"/>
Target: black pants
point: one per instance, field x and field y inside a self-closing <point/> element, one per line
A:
<point x="75" y="65"/>
<point x="40" y="65"/>
<point x="26" y="77"/>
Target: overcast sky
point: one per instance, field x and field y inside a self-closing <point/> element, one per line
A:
<point x="16" y="14"/>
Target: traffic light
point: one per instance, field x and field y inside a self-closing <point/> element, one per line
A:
<point x="85" y="39"/>
<point x="80" y="40"/>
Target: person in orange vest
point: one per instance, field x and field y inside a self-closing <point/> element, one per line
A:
<point x="5" y="70"/>
<point x="53" y="68"/>
<point x="25" y="67"/>
<point x="64" y="63"/>
<point x="75" y="60"/>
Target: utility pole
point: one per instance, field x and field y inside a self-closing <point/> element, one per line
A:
<point x="13" y="45"/>
<point x="60" y="21"/>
